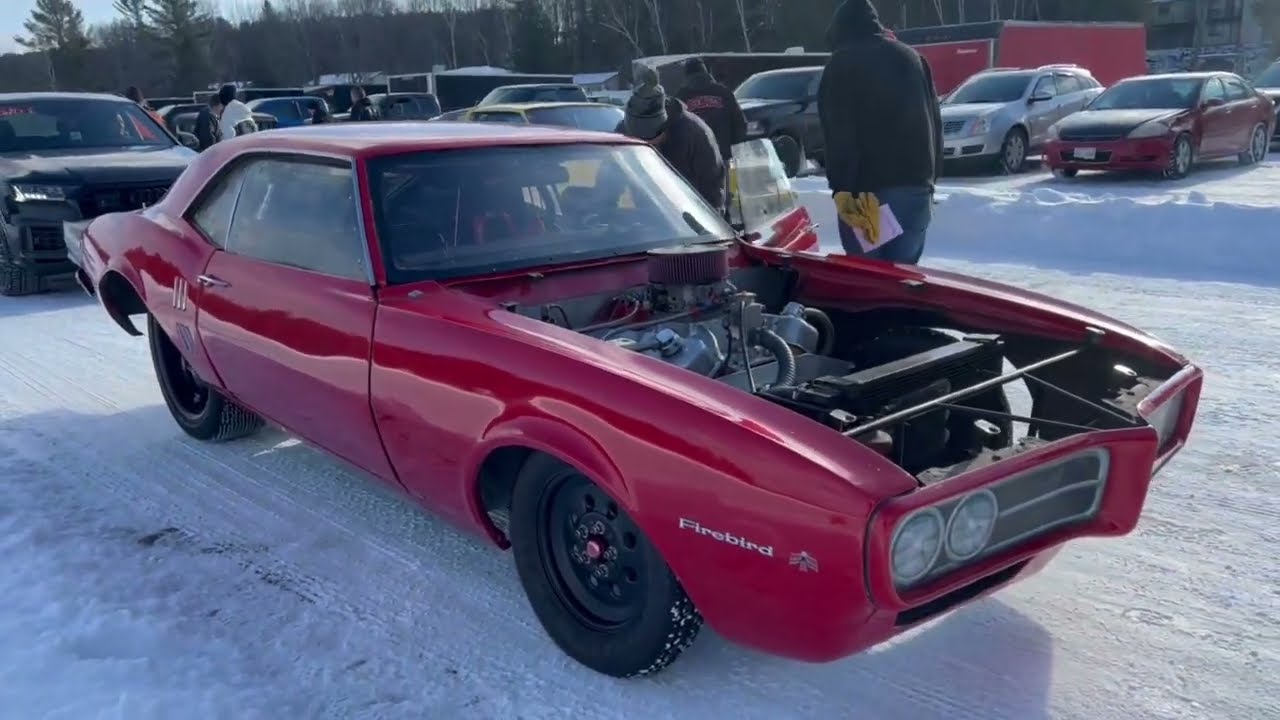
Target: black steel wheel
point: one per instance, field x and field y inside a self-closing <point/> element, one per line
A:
<point x="595" y="582"/>
<point x="199" y="409"/>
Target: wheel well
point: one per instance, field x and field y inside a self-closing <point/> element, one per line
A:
<point x="496" y="481"/>
<point x="121" y="300"/>
<point x="1020" y="128"/>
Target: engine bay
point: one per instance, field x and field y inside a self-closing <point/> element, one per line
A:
<point x="932" y="399"/>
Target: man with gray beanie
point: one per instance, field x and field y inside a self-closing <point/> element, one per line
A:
<point x="683" y="139"/>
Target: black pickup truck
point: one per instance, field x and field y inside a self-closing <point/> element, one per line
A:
<point x="782" y="105"/>
<point x="66" y="158"/>
<point x="1268" y="83"/>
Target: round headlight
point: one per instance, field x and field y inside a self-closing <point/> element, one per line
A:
<point x="971" y="524"/>
<point x="916" y="545"/>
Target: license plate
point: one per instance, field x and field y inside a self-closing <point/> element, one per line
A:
<point x="1086" y="153"/>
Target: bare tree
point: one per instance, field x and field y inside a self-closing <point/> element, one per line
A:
<point x="623" y="18"/>
<point x="742" y="23"/>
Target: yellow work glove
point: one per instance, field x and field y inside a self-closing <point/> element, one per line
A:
<point x="861" y="211"/>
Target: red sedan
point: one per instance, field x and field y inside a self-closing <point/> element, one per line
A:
<point x="548" y="338"/>
<point x="1165" y="124"/>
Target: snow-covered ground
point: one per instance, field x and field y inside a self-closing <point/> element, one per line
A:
<point x="148" y="576"/>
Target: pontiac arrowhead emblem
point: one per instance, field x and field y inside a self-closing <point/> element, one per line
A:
<point x="804" y="562"/>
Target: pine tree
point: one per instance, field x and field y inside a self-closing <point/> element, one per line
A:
<point x="133" y="11"/>
<point x="184" y="28"/>
<point x="56" y="28"/>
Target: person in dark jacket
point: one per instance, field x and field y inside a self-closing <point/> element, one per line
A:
<point x="207" y="131"/>
<point x="883" y="133"/>
<point x="320" y="113"/>
<point x="682" y="137"/>
<point x="715" y="104"/>
<point x="362" y="109"/>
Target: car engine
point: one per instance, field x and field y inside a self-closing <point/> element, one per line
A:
<point x="690" y="314"/>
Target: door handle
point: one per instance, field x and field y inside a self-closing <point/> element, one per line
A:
<point x="211" y="281"/>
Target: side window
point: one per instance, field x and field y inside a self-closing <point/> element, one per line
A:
<point x="1044" y="87"/>
<point x="1068" y="84"/>
<point x="212" y="217"/>
<point x="301" y="214"/>
<point x="1213" y="89"/>
<point x="1237" y="90"/>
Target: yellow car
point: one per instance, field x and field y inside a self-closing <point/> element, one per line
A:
<point x="581" y="115"/>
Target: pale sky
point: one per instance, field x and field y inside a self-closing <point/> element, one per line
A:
<point x="15" y="12"/>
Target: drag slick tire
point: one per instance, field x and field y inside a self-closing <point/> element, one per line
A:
<point x="199" y="409"/>
<point x="597" y="585"/>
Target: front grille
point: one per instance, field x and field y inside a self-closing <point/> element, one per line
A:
<point x="46" y="238"/>
<point x="1060" y="494"/>
<point x="1091" y="135"/>
<point x="95" y="201"/>
<point x="951" y="127"/>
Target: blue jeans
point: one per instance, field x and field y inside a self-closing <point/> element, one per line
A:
<point x="913" y="207"/>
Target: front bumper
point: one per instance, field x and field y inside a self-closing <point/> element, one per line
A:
<point x="1147" y="154"/>
<point x="36" y="243"/>
<point x="973" y="146"/>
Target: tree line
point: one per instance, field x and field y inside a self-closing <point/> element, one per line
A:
<point x="172" y="47"/>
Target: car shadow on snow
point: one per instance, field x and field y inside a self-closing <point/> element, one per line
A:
<point x="62" y="295"/>
<point x="1144" y="183"/>
<point x="987" y="657"/>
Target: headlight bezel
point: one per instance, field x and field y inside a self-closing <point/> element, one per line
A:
<point x="1150" y="129"/>
<point x="941" y="524"/>
<point x="980" y="125"/>
<point x="38" y="192"/>
<point x="984" y="494"/>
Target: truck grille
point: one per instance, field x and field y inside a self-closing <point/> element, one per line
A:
<point x="46" y="238"/>
<point x="951" y="127"/>
<point x="95" y="201"/>
<point x="1091" y="135"/>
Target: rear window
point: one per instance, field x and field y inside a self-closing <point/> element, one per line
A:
<point x="498" y="116"/>
<point x="73" y="123"/>
<point x="602" y="118"/>
<point x="535" y="93"/>
<point x="777" y="86"/>
<point x="282" y="109"/>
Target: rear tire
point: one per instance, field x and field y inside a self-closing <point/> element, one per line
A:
<point x="790" y="152"/>
<point x="597" y="585"/>
<point x="1259" y="144"/>
<point x="198" y="408"/>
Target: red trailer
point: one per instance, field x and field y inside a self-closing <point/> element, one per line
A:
<point x="1111" y="51"/>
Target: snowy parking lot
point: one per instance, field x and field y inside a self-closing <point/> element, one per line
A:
<point x="149" y="576"/>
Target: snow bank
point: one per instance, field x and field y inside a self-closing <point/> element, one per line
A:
<point x="1217" y="226"/>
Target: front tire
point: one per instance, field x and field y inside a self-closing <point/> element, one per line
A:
<point x="790" y="152"/>
<point x="15" y="279"/>
<point x="1013" y="151"/>
<point x="198" y="408"/>
<point x="597" y="585"/>
<point x="1181" y="158"/>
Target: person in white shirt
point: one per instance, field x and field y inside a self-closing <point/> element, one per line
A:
<point x="236" y="118"/>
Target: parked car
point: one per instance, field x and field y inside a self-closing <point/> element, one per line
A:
<point x="405" y="106"/>
<point x="1165" y="123"/>
<point x="289" y="111"/>
<point x="1001" y="116"/>
<point x="185" y="122"/>
<point x="452" y="115"/>
<point x="67" y="158"/>
<point x="534" y="92"/>
<point x="581" y="115"/>
<point x="782" y="105"/>
<point x="1268" y="83"/>
<point x="549" y="338"/>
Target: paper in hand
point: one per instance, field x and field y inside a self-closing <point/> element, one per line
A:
<point x="890" y="228"/>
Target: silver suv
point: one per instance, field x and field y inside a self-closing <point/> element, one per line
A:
<point x="1002" y="115"/>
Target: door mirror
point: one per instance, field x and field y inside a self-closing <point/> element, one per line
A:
<point x="1213" y="103"/>
<point x="1039" y="98"/>
<point x="188" y="140"/>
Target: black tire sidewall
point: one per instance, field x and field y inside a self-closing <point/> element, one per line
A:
<point x="1004" y="151"/>
<point x="793" y="158"/>
<point x="1173" y="172"/>
<point x="207" y="423"/>
<point x="630" y="650"/>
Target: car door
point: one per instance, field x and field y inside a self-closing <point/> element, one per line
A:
<point x="286" y="304"/>
<point x="1242" y="107"/>
<point x="1216" y="123"/>
<point x="1042" y="106"/>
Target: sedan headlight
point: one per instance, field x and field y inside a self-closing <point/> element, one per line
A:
<point x="755" y="127"/>
<point x="30" y="193"/>
<point x="1054" y="132"/>
<point x="916" y="545"/>
<point x="1152" y="129"/>
<point x="971" y="524"/>
<point x="980" y="125"/>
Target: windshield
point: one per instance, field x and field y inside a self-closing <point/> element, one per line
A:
<point x="1270" y="78"/>
<point x="601" y="118"/>
<point x="1005" y="87"/>
<point x="1154" y="94"/>
<point x="534" y="93"/>
<point x="455" y="213"/>
<point x="72" y="123"/>
<point x="777" y="86"/>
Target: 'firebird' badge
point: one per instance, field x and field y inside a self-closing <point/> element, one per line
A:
<point x="804" y="562"/>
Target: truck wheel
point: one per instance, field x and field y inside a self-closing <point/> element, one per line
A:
<point x="1013" y="151"/>
<point x="200" y="410"/>
<point x="790" y="152"/>
<point x="596" y="583"/>
<point x="15" y="279"/>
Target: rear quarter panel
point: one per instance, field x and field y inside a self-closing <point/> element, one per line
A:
<point x="443" y="404"/>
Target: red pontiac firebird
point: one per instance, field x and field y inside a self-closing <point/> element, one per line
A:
<point x="1164" y="124"/>
<point x="546" y="337"/>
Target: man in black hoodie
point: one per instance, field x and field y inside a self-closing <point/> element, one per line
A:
<point x="883" y="132"/>
<point x="715" y="104"/>
<point x="682" y="137"/>
<point x="362" y="109"/>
